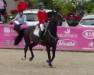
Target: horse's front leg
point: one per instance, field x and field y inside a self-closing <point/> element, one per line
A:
<point x="25" y="51"/>
<point x="53" y="52"/>
<point x="49" y="57"/>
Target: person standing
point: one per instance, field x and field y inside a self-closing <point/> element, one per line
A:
<point x="42" y="17"/>
<point x="22" y="5"/>
<point x="21" y="18"/>
<point x="3" y="12"/>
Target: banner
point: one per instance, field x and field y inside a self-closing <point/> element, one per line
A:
<point x="70" y="38"/>
<point x="76" y="38"/>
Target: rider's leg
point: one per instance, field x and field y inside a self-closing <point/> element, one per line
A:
<point x="41" y="34"/>
<point x="41" y="31"/>
<point x="42" y="27"/>
<point x="17" y="28"/>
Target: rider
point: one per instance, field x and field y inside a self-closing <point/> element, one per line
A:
<point x="21" y="19"/>
<point x="42" y="17"/>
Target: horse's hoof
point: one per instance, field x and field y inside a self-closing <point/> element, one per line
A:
<point x="52" y="67"/>
<point x="47" y="61"/>
<point x="30" y="59"/>
<point x="23" y="58"/>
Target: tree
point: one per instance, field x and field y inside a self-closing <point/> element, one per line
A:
<point x="88" y="6"/>
<point x="92" y="1"/>
<point x="29" y="3"/>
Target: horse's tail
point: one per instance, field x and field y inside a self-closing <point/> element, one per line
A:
<point x="19" y="37"/>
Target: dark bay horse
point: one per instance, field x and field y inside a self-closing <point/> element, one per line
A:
<point x="49" y="39"/>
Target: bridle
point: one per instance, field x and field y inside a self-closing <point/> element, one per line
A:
<point x="47" y="30"/>
<point x="55" y="38"/>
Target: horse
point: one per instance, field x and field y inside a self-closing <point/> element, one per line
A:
<point x="49" y="39"/>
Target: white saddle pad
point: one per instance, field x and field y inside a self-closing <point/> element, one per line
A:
<point x="36" y="32"/>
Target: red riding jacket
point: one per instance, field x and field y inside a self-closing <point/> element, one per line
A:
<point x="42" y="16"/>
<point x="22" y="6"/>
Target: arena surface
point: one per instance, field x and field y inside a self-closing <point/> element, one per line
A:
<point x="65" y="63"/>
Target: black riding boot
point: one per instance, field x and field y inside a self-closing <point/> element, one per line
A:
<point x="41" y="35"/>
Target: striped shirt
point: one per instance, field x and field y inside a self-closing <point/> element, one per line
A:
<point x="20" y="19"/>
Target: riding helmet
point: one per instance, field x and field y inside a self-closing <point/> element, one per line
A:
<point x="41" y="4"/>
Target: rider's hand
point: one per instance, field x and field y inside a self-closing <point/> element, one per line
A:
<point x="46" y="21"/>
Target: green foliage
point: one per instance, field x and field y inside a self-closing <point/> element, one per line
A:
<point x="29" y="3"/>
<point x="92" y="11"/>
<point x="92" y="1"/>
<point x="35" y="5"/>
<point x="44" y="1"/>
<point x="88" y="6"/>
<point x="65" y="8"/>
<point x="48" y="3"/>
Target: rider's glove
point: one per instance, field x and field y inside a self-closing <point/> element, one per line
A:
<point x="46" y="21"/>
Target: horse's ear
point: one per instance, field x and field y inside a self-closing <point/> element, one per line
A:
<point x="54" y="12"/>
<point x="57" y="8"/>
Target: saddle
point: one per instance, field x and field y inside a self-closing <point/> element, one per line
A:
<point x="38" y="31"/>
<point x="43" y="33"/>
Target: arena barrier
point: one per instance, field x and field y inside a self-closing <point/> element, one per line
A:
<point x="70" y="38"/>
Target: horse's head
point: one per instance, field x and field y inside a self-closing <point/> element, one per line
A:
<point x="52" y="26"/>
<point x="55" y="18"/>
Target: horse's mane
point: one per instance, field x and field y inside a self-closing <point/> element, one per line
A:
<point x="53" y="23"/>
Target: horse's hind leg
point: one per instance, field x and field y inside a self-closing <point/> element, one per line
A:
<point x="25" y="51"/>
<point x="32" y="54"/>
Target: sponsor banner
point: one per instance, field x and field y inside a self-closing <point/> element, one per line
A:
<point x="75" y="38"/>
<point x="7" y="36"/>
<point x="70" y="38"/>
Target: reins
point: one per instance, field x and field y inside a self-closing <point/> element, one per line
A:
<point x="49" y="33"/>
<point x="47" y="30"/>
<point x="52" y="35"/>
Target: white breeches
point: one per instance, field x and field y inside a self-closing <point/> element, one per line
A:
<point x="42" y="27"/>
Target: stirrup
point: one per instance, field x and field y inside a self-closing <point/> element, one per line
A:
<point x="40" y="40"/>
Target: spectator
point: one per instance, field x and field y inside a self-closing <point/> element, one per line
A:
<point x="22" y="5"/>
<point x="21" y="20"/>
<point x="3" y="12"/>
